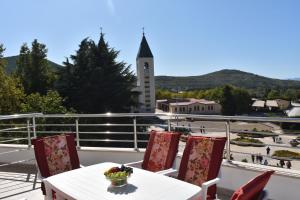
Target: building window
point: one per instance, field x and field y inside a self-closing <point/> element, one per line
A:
<point x="147" y="82"/>
<point x="146" y="66"/>
<point x="147" y="101"/>
<point x="183" y="109"/>
<point x="202" y="108"/>
<point x="147" y="86"/>
<point x="175" y="109"/>
<point x="147" y="96"/>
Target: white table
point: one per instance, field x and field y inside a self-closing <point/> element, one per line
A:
<point x="89" y="183"/>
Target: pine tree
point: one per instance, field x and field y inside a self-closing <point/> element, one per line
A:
<point x="33" y="68"/>
<point x="95" y="82"/>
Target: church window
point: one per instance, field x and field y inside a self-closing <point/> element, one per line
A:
<point x="146" y="66"/>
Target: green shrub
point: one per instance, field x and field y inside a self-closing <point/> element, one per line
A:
<point x="244" y="141"/>
<point x="286" y="154"/>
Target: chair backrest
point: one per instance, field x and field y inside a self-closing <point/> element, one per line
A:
<point x="161" y="151"/>
<point x="201" y="161"/>
<point x="55" y="154"/>
<point x="253" y="189"/>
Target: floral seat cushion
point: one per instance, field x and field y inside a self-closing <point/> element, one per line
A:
<point x="57" y="154"/>
<point x="201" y="160"/>
<point x="161" y="151"/>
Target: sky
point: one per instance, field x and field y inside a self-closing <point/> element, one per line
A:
<point x="187" y="37"/>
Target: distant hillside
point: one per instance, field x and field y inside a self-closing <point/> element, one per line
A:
<point x="12" y="64"/>
<point x="220" y="78"/>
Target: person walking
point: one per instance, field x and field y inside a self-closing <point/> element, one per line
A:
<point x="289" y="164"/>
<point x="268" y="150"/>
<point x="266" y="162"/>
<point x="252" y="157"/>
<point x="281" y="162"/>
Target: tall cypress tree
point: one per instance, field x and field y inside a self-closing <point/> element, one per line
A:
<point x="95" y="82"/>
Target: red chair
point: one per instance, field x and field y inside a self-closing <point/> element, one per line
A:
<point x="55" y="154"/>
<point x="201" y="162"/>
<point x="254" y="189"/>
<point x="161" y="151"/>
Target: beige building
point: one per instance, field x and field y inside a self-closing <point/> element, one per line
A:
<point x="277" y="104"/>
<point x="190" y="106"/>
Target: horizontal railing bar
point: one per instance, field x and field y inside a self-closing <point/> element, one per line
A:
<point x="169" y="115"/>
<point x="14" y="132"/>
<point x="54" y="125"/>
<point x="14" y="128"/>
<point x="13" y="140"/>
<point x="142" y="140"/>
<point x="20" y="116"/>
<point x="104" y="140"/>
<point x="13" y="124"/>
<point x="105" y="132"/>
<point x="107" y="124"/>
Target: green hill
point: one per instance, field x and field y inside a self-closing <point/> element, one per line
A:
<point x="12" y="64"/>
<point x="222" y="77"/>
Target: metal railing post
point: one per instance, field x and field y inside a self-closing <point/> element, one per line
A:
<point x="77" y="133"/>
<point x="34" y="127"/>
<point x="169" y="125"/>
<point x="135" y="134"/>
<point x="228" y="140"/>
<point x="28" y="133"/>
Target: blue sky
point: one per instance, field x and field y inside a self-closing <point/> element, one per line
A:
<point x="190" y="37"/>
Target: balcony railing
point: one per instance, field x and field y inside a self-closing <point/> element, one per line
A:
<point x="122" y="129"/>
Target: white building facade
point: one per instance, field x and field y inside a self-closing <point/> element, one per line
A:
<point x="145" y="77"/>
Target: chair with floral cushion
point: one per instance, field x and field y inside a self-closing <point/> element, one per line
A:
<point x="200" y="163"/>
<point x="54" y="155"/>
<point x="254" y="189"/>
<point x="161" y="151"/>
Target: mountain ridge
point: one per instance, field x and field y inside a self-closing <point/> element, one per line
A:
<point x="219" y="78"/>
<point x="12" y="63"/>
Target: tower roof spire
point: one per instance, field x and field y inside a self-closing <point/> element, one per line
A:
<point x="144" y="50"/>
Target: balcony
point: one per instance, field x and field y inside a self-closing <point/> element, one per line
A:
<point x="121" y="138"/>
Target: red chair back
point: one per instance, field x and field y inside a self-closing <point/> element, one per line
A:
<point x="55" y="154"/>
<point x="161" y="151"/>
<point x="253" y="189"/>
<point x="201" y="161"/>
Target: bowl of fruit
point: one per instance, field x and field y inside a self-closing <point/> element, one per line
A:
<point x="118" y="175"/>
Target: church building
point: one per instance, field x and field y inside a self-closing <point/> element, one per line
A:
<point x="145" y="78"/>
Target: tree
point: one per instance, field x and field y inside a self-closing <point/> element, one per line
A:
<point x="51" y="103"/>
<point x="11" y="91"/>
<point x="227" y="101"/>
<point x="273" y="94"/>
<point x="33" y="68"/>
<point x="94" y="82"/>
<point x="242" y="100"/>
